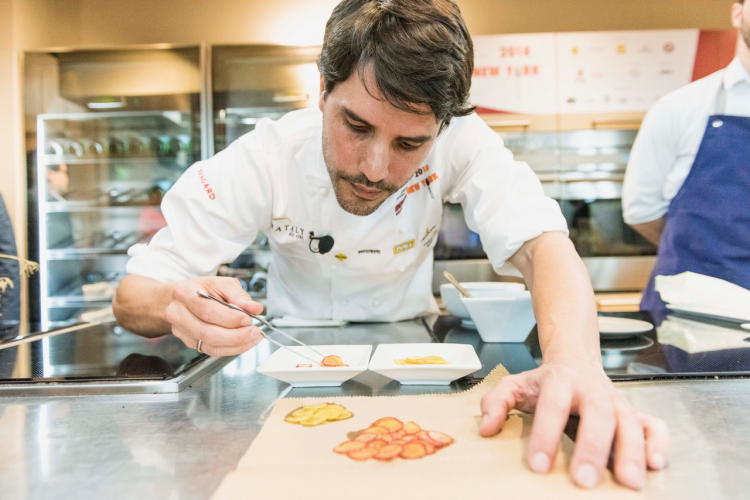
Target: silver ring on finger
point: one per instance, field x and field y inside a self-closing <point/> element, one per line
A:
<point x="198" y="348"/>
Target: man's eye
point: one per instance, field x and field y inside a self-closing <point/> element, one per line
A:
<point x="356" y="128"/>
<point x="409" y="147"/>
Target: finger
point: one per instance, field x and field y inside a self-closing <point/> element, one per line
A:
<point x="596" y="432"/>
<point x="230" y="290"/>
<point x="217" y="352"/>
<point x="214" y="335"/>
<point x="495" y="406"/>
<point x="658" y="441"/>
<point x="550" y="418"/>
<point x="210" y="311"/>
<point x="630" y="446"/>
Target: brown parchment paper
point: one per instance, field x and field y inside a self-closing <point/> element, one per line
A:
<point x="288" y="461"/>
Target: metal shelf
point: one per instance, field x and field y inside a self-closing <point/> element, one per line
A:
<point x="71" y="300"/>
<point x="51" y="159"/>
<point x="59" y="207"/>
<point x="82" y="253"/>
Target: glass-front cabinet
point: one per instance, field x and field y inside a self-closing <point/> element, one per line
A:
<point x="127" y="125"/>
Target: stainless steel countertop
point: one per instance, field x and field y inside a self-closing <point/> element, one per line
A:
<point x="180" y="446"/>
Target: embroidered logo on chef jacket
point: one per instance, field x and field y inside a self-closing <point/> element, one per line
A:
<point x="369" y="252"/>
<point x="341" y="257"/>
<point x="284" y="225"/>
<point x="403" y="247"/>
<point x="429" y="236"/>
<point x="430" y="179"/>
<point x="206" y="186"/>
<point x="400" y="201"/>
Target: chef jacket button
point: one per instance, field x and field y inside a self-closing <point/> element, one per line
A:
<point x="717" y="123"/>
<point x="323" y="191"/>
<point x="344" y="302"/>
<point x="402" y="268"/>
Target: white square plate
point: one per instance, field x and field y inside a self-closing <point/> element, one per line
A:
<point x="282" y="365"/>
<point x="463" y="360"/>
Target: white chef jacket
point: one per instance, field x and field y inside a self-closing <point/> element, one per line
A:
<point x="667" y="143"/>
<point x="274" y="179"/>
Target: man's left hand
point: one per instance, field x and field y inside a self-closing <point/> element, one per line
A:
<point x="608" y="422"/>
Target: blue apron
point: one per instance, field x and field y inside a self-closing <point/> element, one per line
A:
<point x="707" y="230"/>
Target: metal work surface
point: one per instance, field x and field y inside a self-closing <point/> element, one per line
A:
<point x="180" y="446"/>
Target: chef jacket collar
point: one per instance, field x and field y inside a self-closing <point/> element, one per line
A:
<point x="735" y="73"/>
<point x="311" y="157"/>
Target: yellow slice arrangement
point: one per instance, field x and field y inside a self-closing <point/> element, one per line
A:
<point x="318" y="414"/>
<point x="427" y="360"/>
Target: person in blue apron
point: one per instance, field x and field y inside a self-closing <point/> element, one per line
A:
<point x="687" y="185"/>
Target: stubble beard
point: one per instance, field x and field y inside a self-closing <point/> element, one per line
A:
<point x="339" y="179"/>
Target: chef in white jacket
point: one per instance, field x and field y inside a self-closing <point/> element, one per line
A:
<point x="351" y="195"/>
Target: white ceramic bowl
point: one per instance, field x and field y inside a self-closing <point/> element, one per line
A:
<point x="282" y="365"/>
<point x="502" y="319"/>
<point x="463" y="360"/>
<point x="452" y="299"/>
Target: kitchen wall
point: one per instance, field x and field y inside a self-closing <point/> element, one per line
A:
<point x="37" y="24"/>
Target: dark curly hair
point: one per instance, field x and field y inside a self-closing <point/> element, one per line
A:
<point x="419" y="51"/>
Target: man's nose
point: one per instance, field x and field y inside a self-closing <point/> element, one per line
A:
<point x="375" y="162"/>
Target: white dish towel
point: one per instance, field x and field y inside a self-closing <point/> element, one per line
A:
<point x="704" y="294"/>
<point x="295" y="322"/>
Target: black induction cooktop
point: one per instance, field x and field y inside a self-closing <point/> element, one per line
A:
<point x="98" y="358"/>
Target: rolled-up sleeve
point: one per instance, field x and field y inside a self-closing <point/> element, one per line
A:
<point x="503" y="200"/>
<point x="213" y="212"/>
<point x="652" y="158"/>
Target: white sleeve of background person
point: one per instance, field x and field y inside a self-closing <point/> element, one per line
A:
<point x="503" y="200"/>
<point x="652" y="158"/>
<point x="213" y="213"/>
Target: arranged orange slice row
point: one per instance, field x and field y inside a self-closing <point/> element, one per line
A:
<point x="388" y="438"/>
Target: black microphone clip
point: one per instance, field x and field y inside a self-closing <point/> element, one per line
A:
<point x="325" y="244"/>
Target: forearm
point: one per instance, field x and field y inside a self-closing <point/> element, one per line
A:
<point x="140" y="305"/>
<point x="651" y="230"/>
<point x="562" y="297"/>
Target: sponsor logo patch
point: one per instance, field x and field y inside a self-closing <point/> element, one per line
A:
<point x="369" y="251"/>
<point x="403" y="247"/>
<point x="341" y="257"/>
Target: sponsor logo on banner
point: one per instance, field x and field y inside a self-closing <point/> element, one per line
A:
<point x="283" y="225"/>
<point x="368" y="251"/>
<point x="341" y="257"/>
<point x="403" y="247"/>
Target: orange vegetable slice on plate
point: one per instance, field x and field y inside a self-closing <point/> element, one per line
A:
<point x="389" y="452"/>
<point x="413" y="450"/>
<point x="366" y="438"/>
<point x="347" y="446"/>
<point x="332" y="361"/>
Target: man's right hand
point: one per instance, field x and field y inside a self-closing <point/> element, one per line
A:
<point x="221" y="330"/>
<point x="150" y="308"/>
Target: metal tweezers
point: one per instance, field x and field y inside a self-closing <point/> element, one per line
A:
<point x="269" y="326"/>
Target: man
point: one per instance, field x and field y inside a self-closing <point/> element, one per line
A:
<point x="687" y="184"/>
<point x="393" y="138"/>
